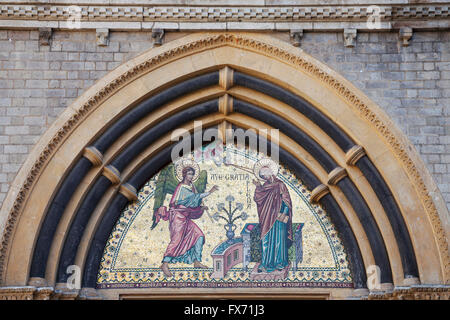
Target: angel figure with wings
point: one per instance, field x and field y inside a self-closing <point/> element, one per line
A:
<point x="186" y="238"/>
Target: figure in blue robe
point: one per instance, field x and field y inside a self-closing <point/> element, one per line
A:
<point x="275" y="218"/>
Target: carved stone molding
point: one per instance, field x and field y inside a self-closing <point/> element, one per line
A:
<point x="405" y="35"/>
<point x="359" y="293"/>
<point x="17" y="293"/>
<point x="226" y="78"/>
<point x="112" y="174"/>
<point x="336" y="175"/>
<point x="318" y="192"/>
<point x="45" y="35"/>
<point x="128" y="191"/>
<point x="414" y="292"/>
<point x="349" y="37"/>
<point x="411" y="281"/>
<point x="43" y="293"/>
<point x="364" y="109"/>
<point x="93" y="155"/>
<point x="226" y="104"/>
<point x="158" y="35"/>
<point x="102" y="36"/>
<point x="62" y="292"/>
<point x="139" y="12"/>
<point x="354" y="154"/>
<point x="420" y="292"/>
<point x="225" y="131"/>
<point x="89" y="294"/>
<point x="47" y="293"/>
<point x="37" y="282"/>
<point x="296" y="37"/>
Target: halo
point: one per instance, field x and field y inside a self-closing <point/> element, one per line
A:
<point x="183" y="163"/>
<point x="265" y="162"/>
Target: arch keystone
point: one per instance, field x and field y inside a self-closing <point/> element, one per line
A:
<point x="226" y="78"/>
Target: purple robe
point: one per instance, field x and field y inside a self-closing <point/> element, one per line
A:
<point x="184" y="233"/>
<point x="268" y="198"/>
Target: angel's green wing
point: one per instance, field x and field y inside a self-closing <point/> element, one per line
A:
<point x="200" y="183"/>
<point x="165" y="184"/>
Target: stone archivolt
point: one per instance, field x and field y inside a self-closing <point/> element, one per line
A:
<point x="246" y="42"/>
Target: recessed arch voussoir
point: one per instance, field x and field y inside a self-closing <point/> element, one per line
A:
<point x="142" y="161"/>
<point x="309" y="127"/>
<point x="196" y="54"/>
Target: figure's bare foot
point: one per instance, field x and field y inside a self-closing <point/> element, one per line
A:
<point x="165" y="268"/>
<point x="197" y="264"/>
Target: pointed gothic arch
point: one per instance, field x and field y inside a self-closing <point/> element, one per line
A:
<point x="362" y="166"/>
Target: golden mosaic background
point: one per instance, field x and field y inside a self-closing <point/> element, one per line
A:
<point x="133" y="252"/>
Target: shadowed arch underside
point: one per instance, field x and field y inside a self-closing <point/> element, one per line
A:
<point x="89" y="164"/>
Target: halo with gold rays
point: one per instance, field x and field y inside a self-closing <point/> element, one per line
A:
<point x="183" y="163"/>
<point x="265" y="162"/>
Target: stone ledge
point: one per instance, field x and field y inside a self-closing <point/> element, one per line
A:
<point x="222" y="26"/>
<point x="91" y="11"/>
<point x="414" y="292"/>
<point x="48" y="293"/>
